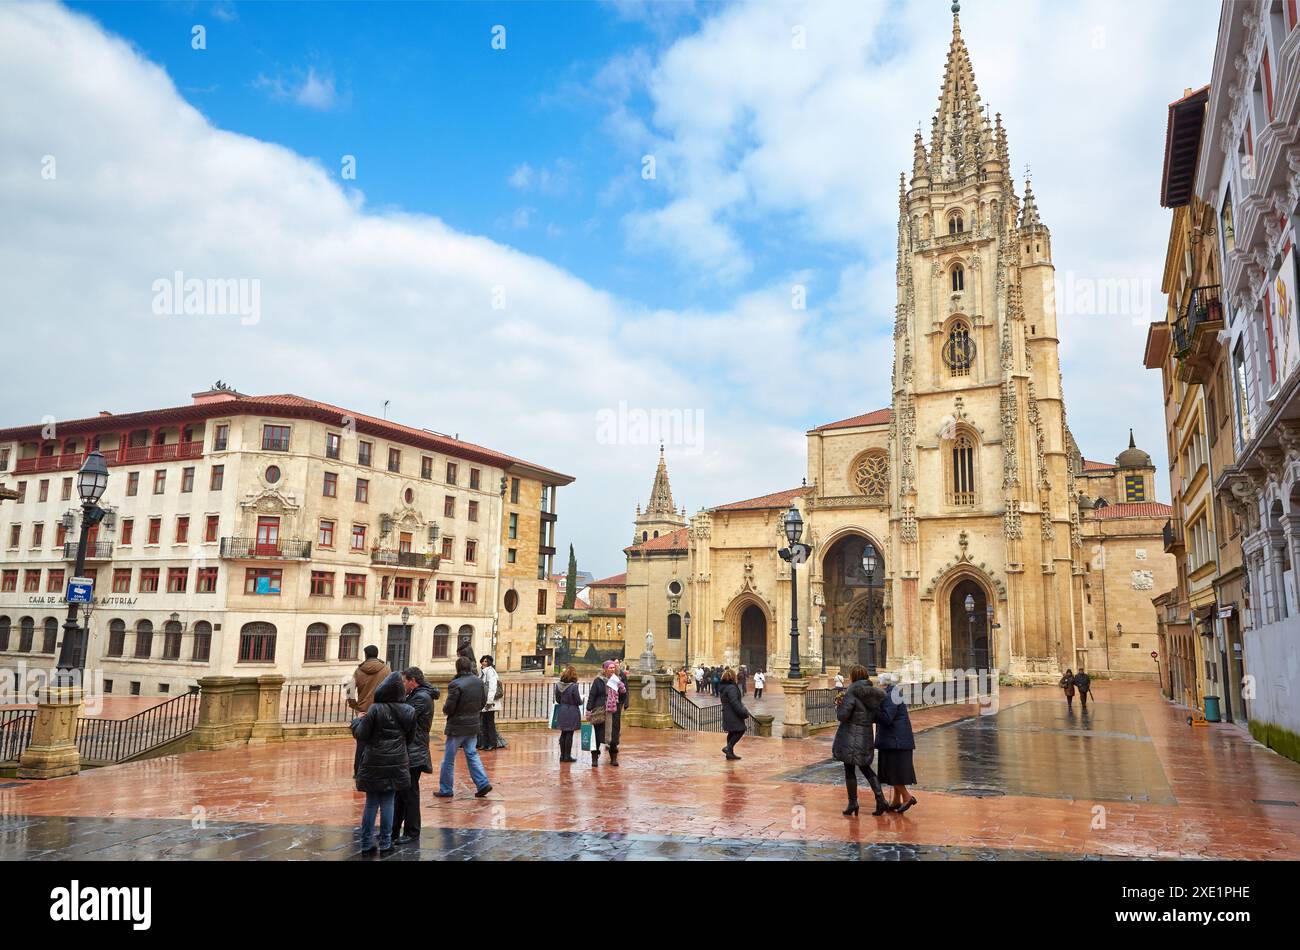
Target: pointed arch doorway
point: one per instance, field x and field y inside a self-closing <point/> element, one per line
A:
<point x="753" y="639"/>
<point x="969" y="629"/>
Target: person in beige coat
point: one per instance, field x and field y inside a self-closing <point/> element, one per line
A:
<point x="365" y="681"/>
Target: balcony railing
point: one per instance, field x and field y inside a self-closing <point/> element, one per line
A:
<point x="389" y="558"/>
<point x="254" y="549"/>
<point x="1195" y="332"/>
<point x="95" y="550"/>
<point x="1173" y="536"/>
<point x="126" y="455"/>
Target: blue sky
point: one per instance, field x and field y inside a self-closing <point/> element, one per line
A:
<point x="518" y="174"/>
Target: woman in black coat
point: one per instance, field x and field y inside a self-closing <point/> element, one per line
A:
<point x="734" y="713"/>
<point x="385" y="729"/>
<point x="895" y="741"/>
<point x="419" y="696"/>
<point x="569" y="716"/>
<point x="854" y="743"/>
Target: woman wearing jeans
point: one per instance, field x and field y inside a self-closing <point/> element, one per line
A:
<point x="385" y="730"/>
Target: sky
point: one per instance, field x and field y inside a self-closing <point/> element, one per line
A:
<point x="568" y="231"/>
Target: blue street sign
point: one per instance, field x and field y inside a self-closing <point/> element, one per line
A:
<point x="80" y="590"/>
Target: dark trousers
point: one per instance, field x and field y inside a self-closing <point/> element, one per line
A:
<point x="406" y="810"/>
<point x="613" y="724"/>
<point x="1083" y="697"/>
<point x="732" y="738"/>
<point x="851" y="780"/>
<point x="566" y="744"/>
<point x="758" y="692"/>
<point x="356" y="759"/>
<point x="488" y="738"/>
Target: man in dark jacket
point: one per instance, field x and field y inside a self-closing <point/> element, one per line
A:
<point x="419" y="696"/>
<point x="365" y="680"/>
<point x="384" y="732"/>
<point x="1083" y="683"/>
<point x="466" y="698"/>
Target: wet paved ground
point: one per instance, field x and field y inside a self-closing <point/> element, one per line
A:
<point x="1131" y="780"/>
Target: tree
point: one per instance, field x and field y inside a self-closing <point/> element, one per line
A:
<point x="571" y="582"/>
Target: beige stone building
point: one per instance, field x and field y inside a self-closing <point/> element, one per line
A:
<point x="967" y="486"/>
<point x="279" y="534"/>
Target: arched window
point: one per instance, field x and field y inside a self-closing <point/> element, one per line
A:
<point x="143" y="639"/>
<point x="26" y="633"/>
<point x="202" y="651"/>
<point x="645" y="535"/>
<point x="257" y="643"/>
<point x="958" y="278"/>
<point x="172" y="633"/>
<point x="116" y="637"/>
<point x="956" y="225"/>
<point x="674" y="626"/>
<point x="961" y="484"/>
<point x="51" y="639"/>
<point x="465" y="635"/>
<point x="318" y="636"/>
<point x="441" y="640"/>
<point x="350" y="641"/>
<point x="4" y="634"/>
<point x="958" y="350"/>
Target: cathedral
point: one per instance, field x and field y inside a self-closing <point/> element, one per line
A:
<point x="958" y="528"/>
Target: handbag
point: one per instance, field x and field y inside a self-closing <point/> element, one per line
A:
<point x="555" y="715"/>
<point x="589" y="738"/>
<point x="597" y="716"/>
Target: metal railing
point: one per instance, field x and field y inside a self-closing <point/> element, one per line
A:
<point x="95" y="551"/>
<point x="524" y="702"/>
<point x="693" y="717"/>
<point x="416" y="559"/>
<point x="820" y="706"/>
<point x="117" y="740"/>
<point x="256" y="550"/>
<point x="315" y="703"/>
<point x="15" y="732"/>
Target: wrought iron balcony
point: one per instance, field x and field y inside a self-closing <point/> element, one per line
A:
<point x="385" y="557"/>
<point x="254" y="549"/>
<point x="95" y="550"/>
<point x="1195" y="333"/>
<point x="1173" y="536"/>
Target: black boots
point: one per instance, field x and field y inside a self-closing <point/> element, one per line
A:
<point x="853" y="807"/>
<point x="595" y="759"/>
<point x="613" y="757"/>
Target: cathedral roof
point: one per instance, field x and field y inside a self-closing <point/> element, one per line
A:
<point x="780" y="499"/>
<point x="875" y="418"/>
<point x="675" y="541"/>
<point x="1090" y="466"/>
<point x="1142" y="509"/>
<point x="1132" y="457"/>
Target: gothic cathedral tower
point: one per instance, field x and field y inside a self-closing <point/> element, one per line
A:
<point x="984" y="528"/>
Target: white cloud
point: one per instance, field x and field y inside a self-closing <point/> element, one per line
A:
<point x="314" y="91"/>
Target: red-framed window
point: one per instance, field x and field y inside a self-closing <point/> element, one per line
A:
<point x="317" y="642"/>
<point x="54" y="581"/>
<point x="221" y="438"/>
<point x="148" y="580"/>
<point x="364" y="453"/>
<point x="268" y="536"/>
<point x="178" y="580"/>
<point x="468" y="592"/>
<point x="15" y="535"/>
<point x="448" y="548"/>
<point x="443" y="592"/>
<point x="471" y="552"/>
<point x="66" y="494"/>
<point x="155" y="530"/>
<point x="257" y="643"/>
<point x="333" y="445"/>
<point x="363" y="491"/>
<point x="32" y="581"/>
<point x="160" y="481"/>
<point x="474" y="476"/>
<point x="449" y="506"/>
<point x="187" y="480"/>
<point x="358" y="537"/>
<point x="275" y="438"/>
<point x="128" y="531"/>
<point x="183" y="529"/>
<point x="212" y="529"/>
<point x="394" y="460"/>
<point x="1268" y="332"/>
<point x="121" y="580"/>
<point x="9" y="581"/>
<point x="402" y="588"/>
<point x="218" y="478"/>
<point x="330" y="489"/>
<point x="326" y="536"/>
<point x="354" y="585"/>
<point x="451" y="473"/>
<point x="43" y="493"/>
<point x="426" y="467"/>
<point x="263" y="580"/>
<point x="38" y="535"/>
<point x="60" y="535"/>
<point x="1291" y="15"/>
<point x="473" y="511"/>
<point x="322" y="584"/>
<point x="205" y="580"/>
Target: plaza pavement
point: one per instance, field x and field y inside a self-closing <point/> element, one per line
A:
<point x="1129" y="780"/>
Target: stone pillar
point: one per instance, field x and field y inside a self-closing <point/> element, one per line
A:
<point x="796" y="709"/>
<point x="216" y="697"/>
<point x="266" y="723"/>
<point x="763" y="725"/>
<point x="53" y="750"/>
<point x="647" y="706"/>
<point x="243" y="707"/>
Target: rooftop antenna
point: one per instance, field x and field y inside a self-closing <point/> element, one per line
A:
<point x="386" y="408"/>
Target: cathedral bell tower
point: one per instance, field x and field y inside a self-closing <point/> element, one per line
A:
<point x="980" y="505"/>
<point x="660" y="516"/>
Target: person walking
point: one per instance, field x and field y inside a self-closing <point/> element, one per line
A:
<point x="1067" y="684"/>
<point x="839" y="681"/>
<point x="895" y="744"/>
<point x="734" y="713"/>
<point x="489" y="739"/>
<point x="742" y="680"/>
<point x="682" y="678"/>
<point x="365" y="680"/>
<point x="465" y="702"/>
<point x="760" y="679"/>
<point x="385" y="733"/>
<point x="1083" y="683"/>
<point x="406" y="810"/>
<point x="717" y="681"/>
<point x="699" y="679"/>
<point x="854" y="744"/>
<point x="604" y="711"/>
<point x="569" y="717"/>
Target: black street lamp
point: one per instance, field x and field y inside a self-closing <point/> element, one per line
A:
<point x="869" y="568"/>
<point x="687" y="619"/>
<point x="92" y="480"/>
<point x="970" y="628"/>
<point x="796" y="554"/>
<point x="822" y="619"/>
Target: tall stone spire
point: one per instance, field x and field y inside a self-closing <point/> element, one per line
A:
<point x="956" y="146"/>
<point x="1029" y="220"/>
<point x="661" y="493"/>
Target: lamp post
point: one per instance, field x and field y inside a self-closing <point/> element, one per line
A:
<point x="406" y="634"/>
<point x="993" y="638"/>
<point x="969" y="604"/>
<point x="796" y="554"/>
<point x="821" y="619"/>
<point x="686" y="618"/>
<point x="558" y="639"/>
<point x="869" y="569"/>
<point x="92" y="480"/>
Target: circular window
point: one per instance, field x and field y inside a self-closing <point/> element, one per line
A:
<point x="675" y="588"/>
<point x="409" y="495"/>
<point x="272" y="474"/>
<point x="870" y="474"/>
<point x="512" y="600"/>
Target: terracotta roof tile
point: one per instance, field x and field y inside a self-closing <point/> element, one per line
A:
<point x="1090" y="466"/>
<point x="665" y="542"/>
<point x="878" y="417"/>
<point x="779" y="499"/>
<point x="1146" y="509"/>
<point x="618" y="580"/>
